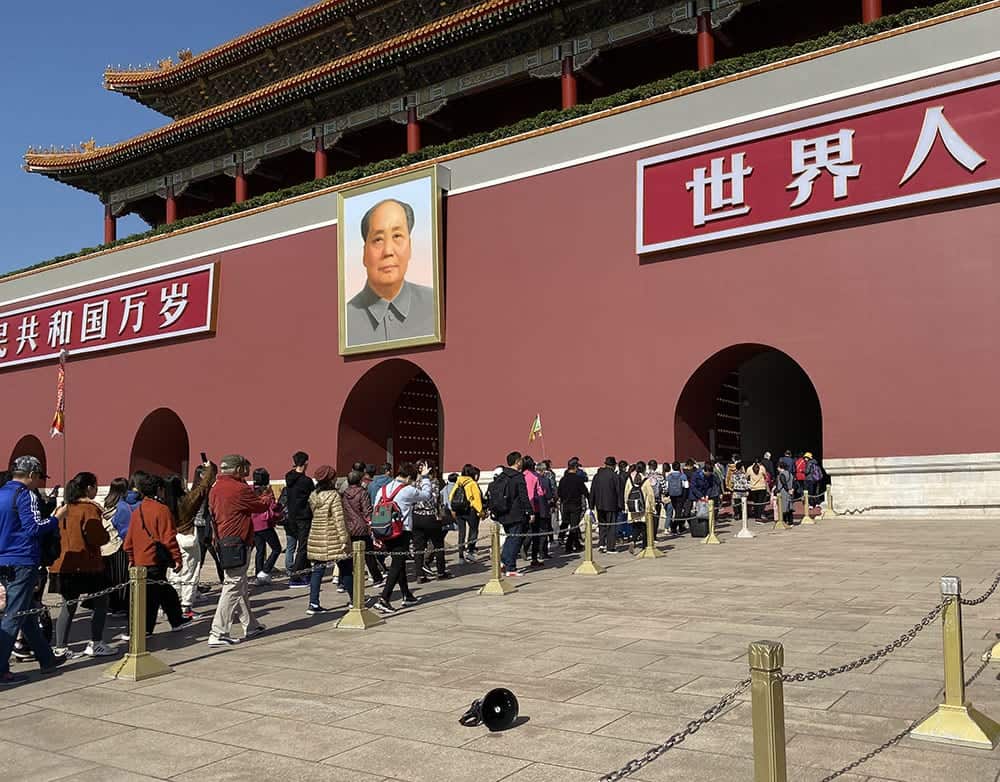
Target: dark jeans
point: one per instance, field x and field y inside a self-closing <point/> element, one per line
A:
<point x="99" y="608"/>
<point x="205" y="541"/>
<point x="20" y="580"/>
<point x="467" y="521"/>
<point x="371" y="558"/>
<point x="345" y="570"/>
<point x="268" y="537"/>
<point x="570" y="527"/>
<point x="607" y="529"/>
<point x="757" y="499"/>
<point x="540" y="542"/>
<point x="398" y="550"/>
<point x="301" y="549"/>
<point x="161" y="596"/>
<point x="421" y="537"/>
<point x="512" y="544"/>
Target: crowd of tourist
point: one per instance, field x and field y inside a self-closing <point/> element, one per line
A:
<point x="83" y="547"/>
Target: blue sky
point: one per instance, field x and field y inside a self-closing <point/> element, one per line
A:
<point x="51" y="93"/>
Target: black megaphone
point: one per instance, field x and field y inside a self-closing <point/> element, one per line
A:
<point x="497" y="710"/>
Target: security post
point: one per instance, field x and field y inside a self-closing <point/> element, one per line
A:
<point x="650" y="551"/>
<point x="767" y="697"/>
<point x="358" y="617"/>
<point x="955" y="721"/>
<point x="711" y="539"/>
<point x="588" y="567"/>
<point x="496" y="585"/>
<point x="806" y="514"/>
<point x="779" y="513"/>
<point x="138" y="664"/>
<point x="745" y="531"/>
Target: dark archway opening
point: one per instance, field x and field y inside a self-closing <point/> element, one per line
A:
<point x="29" y="445"/>
<point x="161" y="445"/>
<point x="747" y="399"/>
<point x="392" y="414"/>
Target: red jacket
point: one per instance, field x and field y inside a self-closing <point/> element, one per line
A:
<point x="800" y="469"/>
<point x="151" y="521"/>
<point x="232" y="503"/>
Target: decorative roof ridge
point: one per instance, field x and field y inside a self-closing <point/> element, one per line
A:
<point x="37" y="160"/>
<point x="148" y="76"/>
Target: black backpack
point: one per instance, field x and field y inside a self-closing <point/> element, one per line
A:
<point x="636" y="502"/>
<point x="459" y="500"/>
<point x="501" y="495"/>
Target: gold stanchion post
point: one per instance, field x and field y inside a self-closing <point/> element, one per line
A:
<point x="955" y="721"/>
<point x="993" y="655"/>
<point x="358" y="617"/>
<point x="711" y="539"/>
<point x="779" y="513"/>
<point x="137" y="664"/>
<point x="828" y="505"/>
<point x="650" y="552"/>
<point x="767" y="697"/>
<point x="588" y="567"/>
<point x="806" y="513"/>
<point x="496" y="585"/>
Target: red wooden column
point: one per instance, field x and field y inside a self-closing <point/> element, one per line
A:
<point x="412" y="130"/>
<point x="706" y="41"/>
<point x="242" y="191"/>
<point x="319" y="159"/>
<point x="871" y="10"/>
<point x="568" y="83"/>
<point x="110" y="225"/>
<point x="171" y="206"/>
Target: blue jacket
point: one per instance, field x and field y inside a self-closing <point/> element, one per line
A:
<point x="699" y="484"/>
<point x="123" y="514"/>
<point x="375" y="487"/>
<point x="21" y="525"/>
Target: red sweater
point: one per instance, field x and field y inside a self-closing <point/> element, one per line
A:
<point x="159" y="525"/>
<point x="232" y="503"/>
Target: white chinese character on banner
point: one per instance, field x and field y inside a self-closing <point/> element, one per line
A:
<point x="28" y="333"/>
<point x="94" y="321"/>
<point x="811" y="157"/>
<point x="715" y="179"/>
<point x="3" y="339"/>
<point x="133" y="303"/>
<point x="60" y="325"/>
<point x="174" y="303"/>
<point x="936" y="125"/>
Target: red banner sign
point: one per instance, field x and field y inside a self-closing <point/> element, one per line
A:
<point x="164" y="307"/>
<point x="938" y="143"/>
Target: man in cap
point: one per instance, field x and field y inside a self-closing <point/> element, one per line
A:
<point x="21" y="528"/>
<point x="232" y="502"/>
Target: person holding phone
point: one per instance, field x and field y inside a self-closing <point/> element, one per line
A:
<point x="413" y="485"/>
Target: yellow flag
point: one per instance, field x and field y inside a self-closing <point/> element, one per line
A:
<point x="536" y="428"/>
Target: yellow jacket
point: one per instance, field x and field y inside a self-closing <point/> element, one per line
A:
<point x="472" y="492"/>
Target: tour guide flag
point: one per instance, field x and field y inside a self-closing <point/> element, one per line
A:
<point x="59" y="419"/>
<point x="536" y="428"/>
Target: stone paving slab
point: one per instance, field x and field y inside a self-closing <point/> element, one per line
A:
<point x="604" y="668"/>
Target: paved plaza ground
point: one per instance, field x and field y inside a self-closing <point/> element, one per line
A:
<point x="604" y="668"/>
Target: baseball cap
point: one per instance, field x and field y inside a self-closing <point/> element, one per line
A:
<point x="28" y="465"/>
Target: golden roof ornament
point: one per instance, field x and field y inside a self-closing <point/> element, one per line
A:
<point x="165" y="64"/>
<point x="184" y="55"/>
<point x="88" y="146"/>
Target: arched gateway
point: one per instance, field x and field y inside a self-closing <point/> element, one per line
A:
<point x="29" y="445"/>
<point x="393" y="414"/>
<point x="161" y="444"/>
<point x="747" y="399"/>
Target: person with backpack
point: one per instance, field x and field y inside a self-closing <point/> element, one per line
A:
<point x="656" y="478"/>
<point x="264" y="534"/>
<point x="741" y="490"/>
<point x="814" y="477"/>
<point x="511" y="508"/>
<point x="358" y="515"/>
<point x="329" y="539"/>
<point x="21" y="529"/>
<point x="546" y="504"/>
<point x="674" y="486"/>
<point x="79" y="569"/>
<point x="428" y="527"/>
<point x="377" y="482"/>
<point x="624" y="531"/>
<point x="466" y="502"/>
<point x="639" y="502"/>
<point x="572" y="496"/>
<point x="539" y="504"/>
<point x="800" y="474"/>
<point x="298" y="487"/>
<point x="607" y="499"/>
<point x="392" y="527"/>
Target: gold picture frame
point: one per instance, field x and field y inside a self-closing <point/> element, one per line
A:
<point x="366" y="320"/>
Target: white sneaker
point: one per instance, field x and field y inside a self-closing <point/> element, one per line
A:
<point x="263" y="578"/>
<point x="98" y="649"/>
<point x="223" y="640"/>
<point x="61" y="651"/>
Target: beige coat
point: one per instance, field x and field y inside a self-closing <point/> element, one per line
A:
<point x="329" y="540"/>
<point x="648" y="496"/>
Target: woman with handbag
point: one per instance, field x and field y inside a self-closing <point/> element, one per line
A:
<point x="264" y="534"/>
<point x="151" y="542"/>
<point x="428" y="528"/>
<point x="79" y="570"/>
<point x="115" y="561"/>
<point x="357" y="504"/>
<point x="329" y="540"/>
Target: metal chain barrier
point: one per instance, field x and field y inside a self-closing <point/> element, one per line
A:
<point x="76" y="600"/>
<point x="983" y="597"/>
<point x="689" y="730"/>
<point x="878" y="654"/>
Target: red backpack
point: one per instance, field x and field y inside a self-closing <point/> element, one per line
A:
<point x="387" y="518"/>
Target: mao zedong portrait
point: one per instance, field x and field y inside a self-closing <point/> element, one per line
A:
<point x="389" y="307"/>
